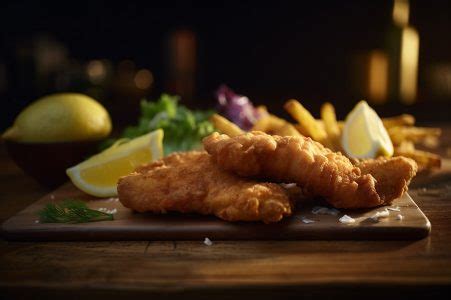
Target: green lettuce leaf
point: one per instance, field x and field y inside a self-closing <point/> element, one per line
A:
<point x="183" y="128"/>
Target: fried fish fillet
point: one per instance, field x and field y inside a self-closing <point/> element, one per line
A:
<point x="190" y="182"/>
<point x="316" y="169"/>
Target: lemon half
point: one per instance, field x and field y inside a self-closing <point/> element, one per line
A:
<point x="364" y="134"/>
<point x="99" y="174"/>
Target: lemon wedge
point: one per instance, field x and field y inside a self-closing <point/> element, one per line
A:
<point x="99" y="174"/>
<point x="364" y="134"/>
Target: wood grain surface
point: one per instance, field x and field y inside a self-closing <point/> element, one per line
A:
<point x="128" y="225"/>
<point x="230" y="269"/>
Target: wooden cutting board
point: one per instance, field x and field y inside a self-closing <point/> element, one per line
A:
<point x="129" y="225"/>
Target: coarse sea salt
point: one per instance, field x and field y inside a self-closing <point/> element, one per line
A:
<point x="346" y="220"/>
<point x="380" y="214"/>
<point x="208" y="242"/>
<point x="321" y="210"/>
<point x="306" y="220"/>
<point x="399" y="217"/>
<point x="111" y="211"/>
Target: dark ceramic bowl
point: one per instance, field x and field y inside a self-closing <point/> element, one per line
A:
<point x="47" y="162"/>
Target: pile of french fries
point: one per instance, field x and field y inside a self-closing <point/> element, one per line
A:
<point x="327" y="130"/>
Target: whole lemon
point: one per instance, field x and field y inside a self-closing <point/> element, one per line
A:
<point x="61" y="117"/>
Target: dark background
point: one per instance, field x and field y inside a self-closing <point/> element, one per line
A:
<point x="267" y="52"/>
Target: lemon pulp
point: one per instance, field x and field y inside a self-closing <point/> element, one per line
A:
<point x="356" y="133"/>
<point x="364" y="134"/>
<point x="104" y="175"/>
<point x="98" y="175"/>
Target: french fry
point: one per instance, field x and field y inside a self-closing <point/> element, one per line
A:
<point x="425" y="160"/>
<point x="276" y="122"/>
<point x="301" y="129"/>
<point x="305" y="120"/>
<point x="431" y="142"/>
<point x="405" y="146"/>
<point x="225" y="126"/>
<point x="268" y="124"/>
<point x="401" y="120"/>
<point x="275" y="125"/>
<point x="287" y="130"/>
<point x="262" y="109"/>
<point x="330" y="125"/>
<point x="340" y="124"/>
<point x="262" y="124"/>
<point x="399" y="134"/>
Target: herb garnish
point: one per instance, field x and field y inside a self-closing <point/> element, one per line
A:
<point x="71" y="211"/>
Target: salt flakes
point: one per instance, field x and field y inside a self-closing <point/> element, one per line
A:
<point x="380" y="214"/>
<point x="108" y="211"/>
<point x="346" y="220"/>
<point x="306" y="220"/>
<point x="208" y="242"/>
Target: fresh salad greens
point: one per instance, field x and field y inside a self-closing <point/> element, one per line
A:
<point x="71" y="211"/>
<point x="183" y="128"/>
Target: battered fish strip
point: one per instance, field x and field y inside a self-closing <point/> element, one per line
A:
<point x="190" y="182"/>
<point x="316" y="169"/>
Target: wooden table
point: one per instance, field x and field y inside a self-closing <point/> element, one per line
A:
<point x="263" y="269"/>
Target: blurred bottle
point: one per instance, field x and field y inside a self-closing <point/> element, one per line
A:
<point x="403" y="44"/>
<point x="370" y="76"/>
<point x="182" y="64"/>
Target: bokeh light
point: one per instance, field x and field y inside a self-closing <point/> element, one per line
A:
<point x="143" y="79"/>
<point x="96" y="71"/>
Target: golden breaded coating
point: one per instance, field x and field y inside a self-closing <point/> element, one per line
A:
<point x="392" y="175"/>
<point x="316" y="169"/>
<point x="190" y="182"/>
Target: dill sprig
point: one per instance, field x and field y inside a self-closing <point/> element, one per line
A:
<point x="71" y="211"/>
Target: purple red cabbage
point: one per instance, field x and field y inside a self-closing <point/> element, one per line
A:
<point x="237" y="108"/>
